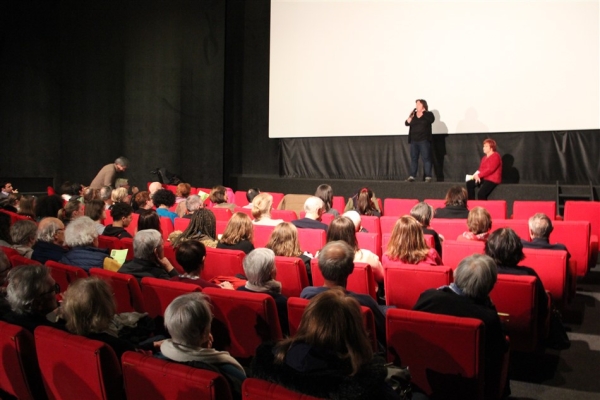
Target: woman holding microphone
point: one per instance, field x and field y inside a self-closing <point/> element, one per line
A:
<point x="419" y="137"/>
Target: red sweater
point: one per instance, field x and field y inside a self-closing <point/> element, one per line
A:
<point x="490" y="168"/>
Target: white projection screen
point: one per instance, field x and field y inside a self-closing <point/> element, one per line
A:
<point x="355" y="68"/>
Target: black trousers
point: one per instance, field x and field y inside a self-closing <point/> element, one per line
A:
<point x="485" y="188"/>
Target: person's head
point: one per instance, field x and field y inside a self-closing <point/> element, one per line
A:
<point x="188" y="319"/>
<point x="479" y="220"/>
<point x="261" y="205"/>
<point x="407" y="243"/>
<point x="163" y="197"/>
<point x="364" y="202"/>
<point x="31" y="290"/>
<point x="540" y="226"/>
<point x="251" y="194"/>
<point x="332" y="320"/>
<point x="355" y="218"/>
<point x="120" y="195"/>
<point x="476" y="276"/>
<point x="456" y="196"/>
<point x="5" y="228"/>
<point x="95" y="210"/>
<point x="218" y="194"/>
<point x="489" y="146"/>
<point x="325" y="193"/>
<point x="81" y="232"/>
<point x="122" y="182"/>
<point x="183" y="189"/>
<point x="72" y="210"/>
<point x="105" y="193"/>
<point x="90" y="194"/>
<point x="148" y="219"/>
<point x="505" y="247"/>
<point x="190" y="255"/>
<point x="193" y="203"/>
<point x="143" y="200"/>
<point x="336" y="262"/>
<point x="27" y="205"/>
<point x="421" y="105"/>
<point x="148" y="245"/>
<point x="4" y="268"/>
<point x="23" y="232"/>
<point x="51" y="230"/>
<point x="314" y="207"/>
<point x="284" y="240"/>
<point x="238" y="228"/>
<point x="259" y="267"/>
<point x="121" y="212"/>
<point x="154" y="187"/>
<point x="48" y="206"/>
<point x="88" y="306"/>
<point x="6" y="187"/>
<point x="342" y="228"/>
<point x="423" y="213"/>
<point x="203" y="223"/>
<point x="121" y="164"/>
<point x="70" y="188"/>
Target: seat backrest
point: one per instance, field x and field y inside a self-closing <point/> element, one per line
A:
<point x="525" y="209"/>
<point x="108" y="242"/>
<point x="576" y="236"/>
<point x="132" y="227"/>
<point x="74" y="367"/>
<point x="247" y="211"/>
<point x="404" y="283"/>
<point x="398" y="207"/>
<point x="166" y="226"/>
<point x="181" y="224"/>
<point x="338" y="203"/>
<point x="240" y="198"/>
<point x="171" y="256"/>
<point x="17" y="259"/>
<point x="325" y="218"/>
<point x="20" y="373"/>
<point x="277" y="197"/>
<point x="159" y="293"/>
<point x="443" y="352"/>
<point x="496" y="208"/>
<point x="371" y="223"/>
<point x="222" y="262"/>
<point x="453" y="251"/>
<point x="369" y="241"/>
<point x="520" y="226"/>
<point x="311" y="240"/>
<point x="14" y="217"/>
<point x="387" y="224"/>
<point x="551" y="267"/>
<point x="429" y="240"/>
<point x="221" y="213"/>
<point x="360" y="280"/>
<point x="450" y="228"/>
<point x="286" y="215"/>
<point x="126" y="289"/>
<point x="127" y="243"/>
<point x="291" y="272"/>
<point x="243" y="320"/>
<point x="515" y="299"/>
<point x="65" y="274"/>
<point x="150" y="378"/>
<point x="256" y="389"/>
<point x="584" y="211"/>
<point x="262" y="234"/>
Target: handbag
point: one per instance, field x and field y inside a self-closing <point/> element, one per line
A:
<point x="399" y="380"/>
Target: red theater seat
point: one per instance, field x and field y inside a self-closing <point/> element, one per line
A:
<point x="360" y="280"/>
<point x="132" y="227"/>
<point x="387" y="224"/>
<point x="496" y="208"/>
<point x="398" y="207"/>
<point x="325" y="218"/>
<point x="74" y="367"/>
<point x="221" y="214"/>
<point x="454" y="251"/>
<point x="311" y="240"/>
<point x="181" y="224"/>
<point x="127" y="243"/>
<point x="369" y="241"/>
<point x="126" y="289"/>
<point x="256" y="389"/>
<point x="520" y="226"/>
<point x="262" y="234"/>
<point x="17" y="260"/>
<point x="166" y="226"/>
<point x="450" y="228"/>
<point x="64" y="274"/>
<point x="291" y="272"/>
<point x="149" y="378"/>
<point x="339" y="204"/>
<point x="371" y="223"/>
<point x="525" y="209"/>
<point x="576" y="236"/>
<point x="159" y="293"/>
<point x="551" y="267"/>
<point x="436" y="203"/>
<point x="277" y="197"/>
<point x="220" y="262"/>
<point x="286" y="215"/>
<point x="109" y="242"/>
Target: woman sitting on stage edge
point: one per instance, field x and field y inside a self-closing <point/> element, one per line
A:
<point x="489" y="174"/>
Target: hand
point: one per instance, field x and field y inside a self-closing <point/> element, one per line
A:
<point x="165" y="263"/>
<point x="477" y="178"/>
<point x="226" y="285"/>
<point x="157" y="344"/>
<point x="135" y="190"/>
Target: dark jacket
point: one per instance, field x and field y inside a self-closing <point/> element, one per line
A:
<point x="44" y="251"/>
<point x="243" y="245"/>
<point x="143" y="268"/>
<point x="85" y="257"/>
<point x="281" y="303"/>
<point x="116" y="231"/>
<point x="542" y="244"/>
<point x="452" y="212"/>
<point x="307" y="223"/>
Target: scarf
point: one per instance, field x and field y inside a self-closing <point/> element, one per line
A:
<point x="183" y="353"/>
<point x="271" y="286"/>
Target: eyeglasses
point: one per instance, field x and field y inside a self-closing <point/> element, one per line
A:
<point x="54" y="290"/>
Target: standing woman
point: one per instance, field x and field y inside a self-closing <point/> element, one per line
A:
<point x="419" y="138"/>
<point x="489" y="174"/>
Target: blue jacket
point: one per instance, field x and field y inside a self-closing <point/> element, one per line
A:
<point x="85" y="257"/>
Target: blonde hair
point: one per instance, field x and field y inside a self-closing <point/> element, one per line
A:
<point x="239" y="228"/>
<point x="407" y="243"/>
<point x="119" y="194"/>
<point x="261" y="205"/>
<point x="479" y="220"/>
<point x="284" y="240"/>
<point x="88" y="306"/>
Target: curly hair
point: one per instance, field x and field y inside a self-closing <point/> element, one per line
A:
<point x="163" y="197"/>
<point x="203" y="223"/>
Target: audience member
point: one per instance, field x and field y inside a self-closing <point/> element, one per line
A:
<point x="284" y="242"/>
<point x="364" y="202"/>
<point x="182" y="193"/>
<point x="70" y="190"/>
<point x="108" y="174"/>
<point x="105" y="194"/>
<point x="407" y="244"/>
<point x="154" y="187"/>
<point x="190" y="255"/>
<point x="423" y="213"/>
<point x="250" y="195"/>
<point x="149" y="257"/>
<point x="192" y="204"/>
<point x="48" y="206"/>
<point x="164" y="199"/>
<point x="238" y="235"/>
<point x="142" y="201"/>
<point x="95" y="210"/>
<point x="218" y="196"/>
<point x="325" y="193"/>
<point x="120" y="195"/>
<point x="456" y="204"/>
<point x="313" y="208"/>
<point x="540" y="228"/>
<point x="121" y="214"/>
<point x="261" y="210"/>
<point x="72" y="210"/>
<point x="27" y="207"/>
<point x="10" y="203"/>
<point x="7" y="189"/>
<point x="23" y="234"/>
<point x="479" y="223"/>
<point x="90" y="194"/>
<point x="356" y="220"/>
<point x="202" y="227"/>
<point x="149" y="219"/>
<point x="50" y="241"/>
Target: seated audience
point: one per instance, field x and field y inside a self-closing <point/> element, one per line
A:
<point x="72" y="210"/>
<point x="456" y="204"/>
<point x="31" y="294"/>
<point x="23" y="234"/>
<point x="142" y="201"/>
<point x="259" y="268"/>
<point x="364" y="202"/>
<point x="121" y="214"/>
<point x="5" y="239"/>
<point x="468" y="297"/>
<point x="423" y="213"/>
<point x="88" y="308"/>
<point x="164" y="199"/>
<point x="407" y="244"/>
<point x="70" y="190"/>
<point x="219" y="199"/>
<point x="313" y="208"/>
<point x="10" y="203"/>
<point x="182" y="193"/>
<point x="6" y="189"/>
<point x="95" y="210"/>
<point x="149" y="257"/>
<point x="238" y="234"/>
<point x="540" y="228"/>
<point x="479" y="223"/>
<point x="356" y="220"/>
<point x="105" y="195"/>
<point x="342" y="228"/>
<point x="284" y="242"/>
<point x="190" y="255"/>
<point x="119" y="195"/>
<point x="50" y="241"/>
<point x="192" y="204"/>
<point x="261" y="210"/>
<point x="27" y="207"/>
<point x="325" y="193"/>
<point x="250" y="195"/>
<point x="81" y="236"/>
<point x="90" y="194"/>
<point x="188" y="319"/>
<point x="48" y="206"/>
<point x="154" y="187"/>
<point x="329" y="356"/>
<point x="336" y="262"/>
<point x="202" y="227"/>
<point x="149" y="219"/>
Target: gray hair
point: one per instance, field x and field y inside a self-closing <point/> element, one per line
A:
<point x="122" y="161"/>
<point x="354" y="217"/>
<point x="476" y="276"/>
<point x="540" y="226"/>
<point x="145" y="242"/>
<point x="25" y="285"/>
<point x="193" y="202"/>
<point x="23" y="232"/>
<point x="259" y="265"/>
<point x="81" y="232"/>
<point x="47" y="229"/>
<point x="336" y="261"/>
<point x="188" y="319"/>
<point x="105" y="193"/>
<point x="313" y="204"/>
<point x="422" y="212"/>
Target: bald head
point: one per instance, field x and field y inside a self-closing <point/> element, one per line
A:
<point x="355" y="218"/>
<point x="51" y="230"/>
<point x="313" y="207"/>
<point x="154" y="186"/>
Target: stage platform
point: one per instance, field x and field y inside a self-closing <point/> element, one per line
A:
<point x="401" y="189"/>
